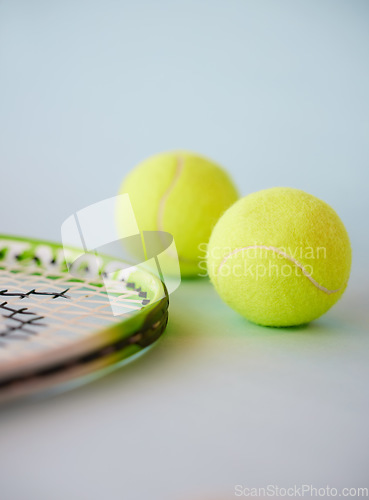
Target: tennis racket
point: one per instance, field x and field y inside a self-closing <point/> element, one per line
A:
<point x="58" y="330"/>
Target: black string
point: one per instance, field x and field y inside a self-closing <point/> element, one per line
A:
<point x="53" y="295"/>
<point x="21" y="316"/>
<point x="21" y="322"/>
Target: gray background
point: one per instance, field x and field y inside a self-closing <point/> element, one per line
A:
<point x="277" y="92"/>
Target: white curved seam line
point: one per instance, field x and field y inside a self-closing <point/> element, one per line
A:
<point x="179" y="168"/>
<point x="177" y="175"/>
<point x="286" y="256"/>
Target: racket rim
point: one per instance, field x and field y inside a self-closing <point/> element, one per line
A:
<point x="102" y="335"/>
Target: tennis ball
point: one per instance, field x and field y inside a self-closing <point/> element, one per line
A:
<point x="183" y="194"/>
<point x="280" y="257"/>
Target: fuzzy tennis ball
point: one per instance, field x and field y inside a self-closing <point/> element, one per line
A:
<point x="183" y="194"/>
<point x="280" y="257"/>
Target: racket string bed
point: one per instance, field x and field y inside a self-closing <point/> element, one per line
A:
<point x="56" y="328"/>
<point x="89" y="307"/>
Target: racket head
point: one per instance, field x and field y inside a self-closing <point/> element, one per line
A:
<point x="56" y="327"/>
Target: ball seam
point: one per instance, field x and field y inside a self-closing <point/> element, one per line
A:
<point x="286" y="256"/>
<point x="177" y="174"/>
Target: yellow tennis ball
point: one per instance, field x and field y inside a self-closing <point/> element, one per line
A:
<point x="280" y="257"/>
<point x="183" y="194"/>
